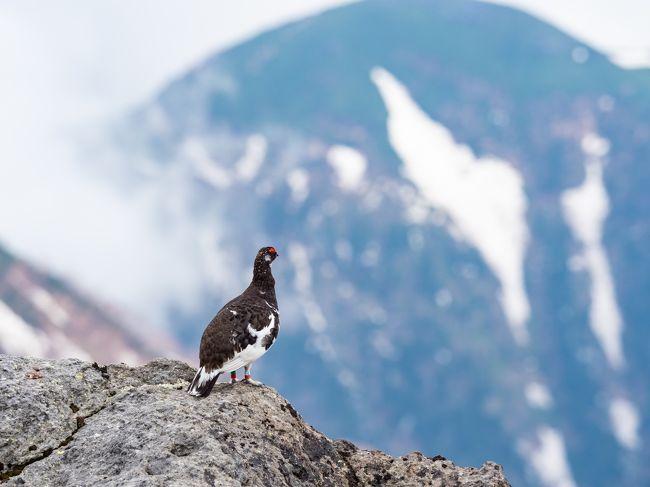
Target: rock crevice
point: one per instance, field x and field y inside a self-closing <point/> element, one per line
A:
<point x="73" y="423"/>
<point x="14" y="470"/>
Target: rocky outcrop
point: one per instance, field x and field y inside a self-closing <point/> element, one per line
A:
<point x="70" y="422"/>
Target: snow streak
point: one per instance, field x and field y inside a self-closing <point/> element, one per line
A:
<point x="483" y="196"/>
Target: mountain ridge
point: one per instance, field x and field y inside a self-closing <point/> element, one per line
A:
<point x="390" y="296"/>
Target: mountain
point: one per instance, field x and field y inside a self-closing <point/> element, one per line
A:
<point x="43" y="316"/>
<point x="457" y="191"/>
<point x="82" y="424"/>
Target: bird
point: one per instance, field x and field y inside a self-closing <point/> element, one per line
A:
<point x="242" y="331"/>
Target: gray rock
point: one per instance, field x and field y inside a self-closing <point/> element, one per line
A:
<point x="72" y="423"/>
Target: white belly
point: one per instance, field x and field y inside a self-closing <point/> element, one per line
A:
<point x="252" y="352"/>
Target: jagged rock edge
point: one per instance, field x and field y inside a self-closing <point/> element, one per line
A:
<point x="119" y="382"/>
<point x="345" y="455"/>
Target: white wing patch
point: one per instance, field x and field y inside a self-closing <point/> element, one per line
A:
<point x="252" y="352"/>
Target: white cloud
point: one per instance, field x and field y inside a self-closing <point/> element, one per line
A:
<point x="70" y="67"/>
<point x="73" y="64"/>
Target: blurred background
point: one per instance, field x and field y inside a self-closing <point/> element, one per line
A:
<point x="457" y="190"/>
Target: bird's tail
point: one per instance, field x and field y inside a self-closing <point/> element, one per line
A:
<point x="203" y="382"/>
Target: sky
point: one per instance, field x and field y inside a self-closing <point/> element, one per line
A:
<point x="73" y="64"/>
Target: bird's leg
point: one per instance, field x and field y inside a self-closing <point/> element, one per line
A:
<point x="233" y="377"/>
<point x="248" y="378"/>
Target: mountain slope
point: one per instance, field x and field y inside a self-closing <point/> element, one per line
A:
<point x="45" y="317"/>
<point x="459" y="192"/>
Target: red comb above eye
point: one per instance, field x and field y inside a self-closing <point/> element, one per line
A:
<point x="272" y="250"/>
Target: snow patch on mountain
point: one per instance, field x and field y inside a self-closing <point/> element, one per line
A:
<point x="298" y="182"/>
<point x="383" y="345"/>
<point x="210" y="171"/>
<point x="343" y="250"/>
<point x="625" y="420"/>
<point x="349" y="164"/>
<point x="17" y="337"/>
<point x="302" y="284"/>
<point x="48" y="306"/>
<point x="483" y="196"/>
<point x="585" y="209"/>
<point x="60" y="346"/>
<point x="548" y="458"/>
<point x="538" y="395"/>
<point x="205" y="168"/>
<point x="250" y="163"/>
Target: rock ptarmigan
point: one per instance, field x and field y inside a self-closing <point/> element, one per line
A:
<point x="242" y="331"/>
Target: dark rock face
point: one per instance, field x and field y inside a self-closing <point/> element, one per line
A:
<point x="69" y="422"/>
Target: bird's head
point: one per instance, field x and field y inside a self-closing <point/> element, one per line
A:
<point x="262" y="266"/>
<point x="266" y="254"/>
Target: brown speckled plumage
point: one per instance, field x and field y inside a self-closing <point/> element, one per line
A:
<point x="228" y="333"/>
